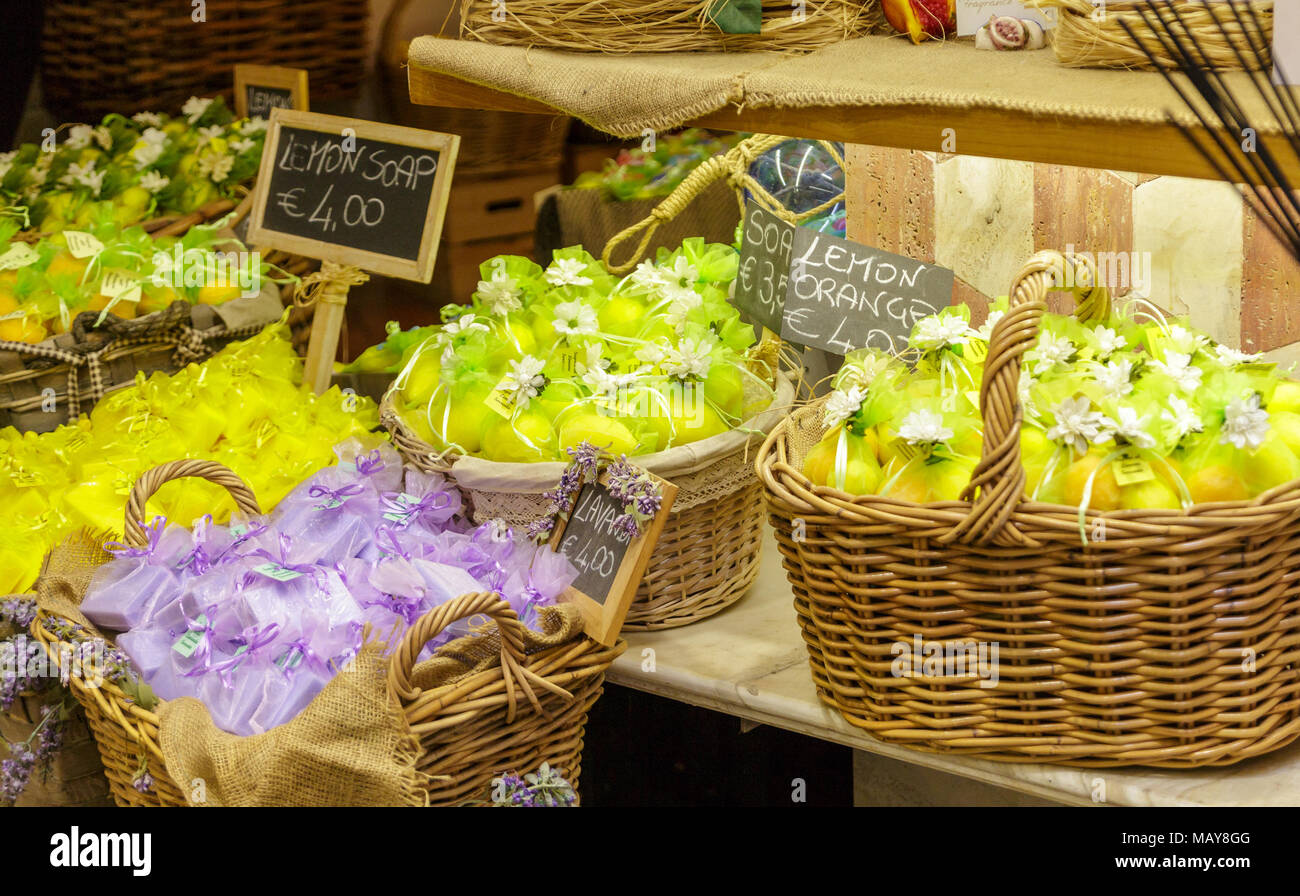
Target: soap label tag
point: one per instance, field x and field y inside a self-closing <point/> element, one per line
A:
<point x="19" y="255"/>
<point x="82" y="244"/>
<point x="1132" y="470"/>
<point x="277" y="572"/>
<point x="500" y="400"/>
<point x="975" y="351"/>
<point x="905" y="449"/>
<point x="187" y="643"/>
<point x="401" y="516"/>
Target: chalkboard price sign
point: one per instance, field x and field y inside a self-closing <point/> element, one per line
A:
<point x="261" y="88"/>
<point x="766" y="244"/>
<point x="353" y="192"/>
<point x="843" y="295"/>
<point x="609" y="563"/>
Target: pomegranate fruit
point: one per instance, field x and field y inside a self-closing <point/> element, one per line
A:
<point x="922" y="19"/>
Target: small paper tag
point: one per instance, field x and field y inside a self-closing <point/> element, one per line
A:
<point x="976" y="350"/>
<point x="397" y="516"/>
<point x="189" y="642"/>
<point x="1132" y="470"/>
<point x="330" y="504"/>
<point x="115" y="282"/>
<point x="19" y="255"/>
<point x="291" y="659"/>
<point x="904" y="448"/>
<point x="499" y="400"/>
<point x="277" y="572"/>
<point x="238" y="531"/>
<point x="567" y="360"/>
<point x="82" y="244"/>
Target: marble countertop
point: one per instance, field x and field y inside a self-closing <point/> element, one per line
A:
<point x="749" y="661"/>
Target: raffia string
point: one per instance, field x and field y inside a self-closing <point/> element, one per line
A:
<point x="733" y="165"/>
<point x="315" y="287"/>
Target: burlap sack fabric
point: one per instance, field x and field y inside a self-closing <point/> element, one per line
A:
<point x="351" y="746"/>
<point x="622" y="95"/>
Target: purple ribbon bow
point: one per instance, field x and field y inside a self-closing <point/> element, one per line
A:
<point x="333" y="494"/>
<point x="400" y="503"/>
<point x="302" y="647"/>
<point x="307" y="569"/>
<point x="202" y="654"/>
<point x="386" y="541"/>
<point x="154" y="531"/>
<point x="369" y="464"/>
<point x="251" y="640"/>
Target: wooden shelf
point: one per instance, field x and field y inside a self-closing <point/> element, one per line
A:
<point x="1009" y="105"/>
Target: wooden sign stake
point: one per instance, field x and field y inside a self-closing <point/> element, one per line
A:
<point x="327" y="289"/>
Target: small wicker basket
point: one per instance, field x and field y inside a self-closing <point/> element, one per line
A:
<point x="1089" y="35"/>
<point x="471" y="730"/>
<point x="1175" y="641"/>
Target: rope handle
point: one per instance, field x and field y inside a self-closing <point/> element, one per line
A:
<point x="156" y="478"/>
<point x="997" y="484"/>
<point x="516" y="674"/>
<point x="732" y="165"/>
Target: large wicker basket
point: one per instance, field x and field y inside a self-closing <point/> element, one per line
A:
<point x="661" y="26"/>
<point x="1174" y="640"/>
<point x="101" y="56"/>
<point x="708" y="552"/>
<point x="471" y="730"/>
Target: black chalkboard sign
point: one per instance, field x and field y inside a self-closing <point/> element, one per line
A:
<point x="609" y="564"/>
<point x="591" y="542"/>
<point x="261" y="88"/>
<point x="353" y="192"/>
<point x="765" y="247"/>
<point x="842" y="295"/>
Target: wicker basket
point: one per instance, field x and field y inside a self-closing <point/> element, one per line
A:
<point x="470" y="731"/>
<point x="102" y="56"/>
<point x="1084" y="39"/>
<point x="660" y="26"/>
<point x="708" y="552"/>
<point x="1174" y="641"/>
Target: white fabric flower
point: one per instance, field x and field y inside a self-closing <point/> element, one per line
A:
<point x="595" y="359"/>
<point x="648" y="276"/>
<point x="1128" y="425"/>
<point x="1230" y="357"/>
<point x="1178" y="367"/>
<point x="924" y="426"/>
<point x="1182" y="418"/>
<point x="1245" y="423"/>
<point x="211" y="132"/>
<point x="7" y="162"/>
<point x="1077" y="424"/>
<point x="152" y="119"/>
<point x="154" y="182"/>
<point x="594" y="370"/>
<point x="79" y="136"/>
<point x="985" y="331"/>
<point x="1184" y="340"/>
<point x="843" y="404"/>
<point x="1051" y="351"/>
<point x="1116" y="378"/>
<point x="104" y="137"/>
<point x="1108" y="341"/>
<point x="693" y="357"/>
<point x="463" y="326"/>
<point x="575" y="318"/>
<point x="939" y="331"/>
<point x="216" y="167"/>
<point x="501" y="294"/>
<point x="242" y="145"/>
<point x="653" y="353"/>
<point x="254" y="125"/>
<point x="682" y="272"/>
<point x="195" y="108"/>
<point x="84" y="176"/>
<point x="153" y="143"/>
<point x="682" y="302"/>
<point x="525" y="380"/>
<point x="567" y="272"/>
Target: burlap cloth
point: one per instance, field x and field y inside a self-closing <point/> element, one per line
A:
<point x="623" y="95"/>
<point x="351" y="746"/>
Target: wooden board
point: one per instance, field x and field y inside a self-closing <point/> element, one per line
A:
<point x="259" y="88"/>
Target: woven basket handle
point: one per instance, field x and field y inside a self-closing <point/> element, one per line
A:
<point x="997" y="484"/>
<point x="154" y="479"/>
<point x="516" y="675"/>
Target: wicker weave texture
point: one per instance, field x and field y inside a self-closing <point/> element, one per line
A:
<point x="527" y="709"/>
<point x="88" y="69"/>
<point x="1169" y="639"/>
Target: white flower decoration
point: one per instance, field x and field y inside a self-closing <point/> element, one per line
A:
<point x="1128" y="425"/>
<point x="1182" y="418"/>
<point x="254" y="125"/>
<point x="211" y="132"/>
<point x="463" y="326"/>
<point x="843" y="404"/>
<point x="653" y="353"/>
<point x="1184" y="340"/>
<point x="1245" y="423"/>
<point x="600" y="381"/>
<point x="648" y="275"/>
<point x="216" y="167"/>
<point x="567" y="272"/>
<point x="79" y="136"/>
<point x="693" y="357"/>
<point x="152" y="119"/>
<point x="104" y="137"/>
<point x="6" y="161"/>
<point x="1108" y="341"/>
<point x="683" y="302"/>
<point x="575" y="318"/>
<point x="1077" y="424"/>
<point x="195" y="108"/>
<point x="525" y="380"/>
<point x="1051" y="351"/>
<point x="985" y="331"/>
<point x="1178" y="367"/>
<point x="939" y="331"/>
<point x="682" y="273"/>
<point x="242" y="145"/>
<point x="595" y="359"/>
<point x="924" y="426"/>
<point x="153" y="143"/>
<point x="1116" y="378"/>
<point x="1230" y="357"/>
<point x="501" y="294"/>
<point x="85" y="176"/>
<point x="154" y="182"/>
